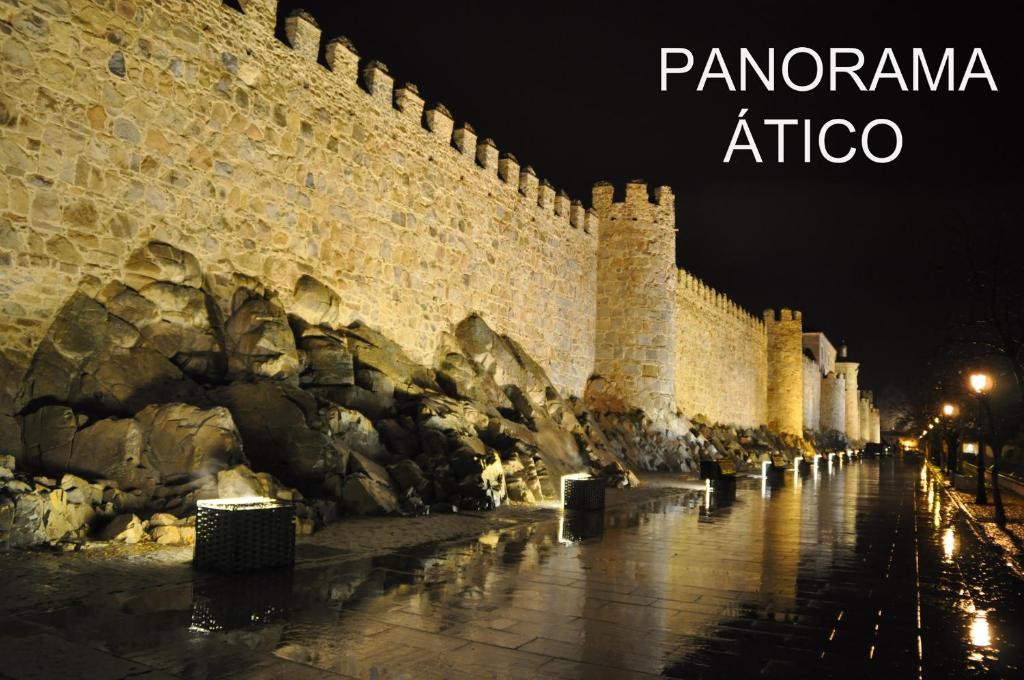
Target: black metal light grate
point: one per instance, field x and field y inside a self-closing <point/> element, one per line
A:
<point x="583" y="494"/>
<point x="235" y="536"/>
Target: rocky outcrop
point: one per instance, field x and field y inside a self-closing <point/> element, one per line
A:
<point x="282" y="431"/>
<point x="96" y="362"/>
<point x="10" y="429"/>
<point x="174" y="387"/>
<point x="164" y="444"/>
<point x="258" y="339"/>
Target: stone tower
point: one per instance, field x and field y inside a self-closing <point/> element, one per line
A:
<point x="864" y="414"/>
<point x="785" y="370"/>
<point x="812" y="393"/>
<point x="875" y="433"/>
<point x="833" y="402"/>
<point x="636" y="294"/>
<point x="849" y="371"/>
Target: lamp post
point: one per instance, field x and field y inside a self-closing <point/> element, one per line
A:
<point x="949" y="415"/>
<point x="980" y="384"/>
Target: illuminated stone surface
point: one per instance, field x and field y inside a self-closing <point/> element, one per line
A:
<point x="221" y="139"/>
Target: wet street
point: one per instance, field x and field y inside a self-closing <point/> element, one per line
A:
<point x="849" y="570"/>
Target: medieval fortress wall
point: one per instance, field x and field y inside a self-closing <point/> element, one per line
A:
<point x="190" y="122"/>
<point x="721" y="358"/>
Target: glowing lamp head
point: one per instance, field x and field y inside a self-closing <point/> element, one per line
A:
<point x="981" y="383"/>
<point x="948" y="410"/>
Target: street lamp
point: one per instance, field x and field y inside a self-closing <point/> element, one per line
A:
<point x="981" y="385"/>
<point x="952" y="436"/>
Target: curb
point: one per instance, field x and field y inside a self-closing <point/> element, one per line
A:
<point x="1012" y="560"/>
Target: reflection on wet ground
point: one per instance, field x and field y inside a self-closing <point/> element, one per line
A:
<point x="835" y="570"/>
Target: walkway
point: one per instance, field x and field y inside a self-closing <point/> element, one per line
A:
<point x="856" y="570"/>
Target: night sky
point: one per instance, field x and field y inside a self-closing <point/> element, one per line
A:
<point x="870" y="253"/>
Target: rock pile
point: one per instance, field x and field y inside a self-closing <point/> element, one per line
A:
<point x="679" y="445"/>
<point x="171" y="386"/>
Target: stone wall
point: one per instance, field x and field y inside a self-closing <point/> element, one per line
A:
<point x="721" y="356"/>
<point x="812" y="394"/>
<point x="785" y="370"/>
<point x="849" y="369"/>
<point x="833" y="402"/>
<point x="190" y="123"/>
<point x="864" y="415"/>
<point x="636" y="292"/>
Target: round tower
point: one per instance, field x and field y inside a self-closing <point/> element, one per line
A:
<point x="833" y="402"/>
<point x="849" y="369"/>
<point x="785" y="370"/>
<point x="636" y="282"/>
<point x="864" y="414"/>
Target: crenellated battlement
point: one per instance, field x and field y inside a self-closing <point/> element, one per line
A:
<point x="690" y="285"/>
<point x="833" y="376"/>
<point x="639" y="203"/>
<point x="781" y="316"/>
<point x="304" y="36"/>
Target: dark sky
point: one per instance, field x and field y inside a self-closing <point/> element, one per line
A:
<point x="863" y="249"/>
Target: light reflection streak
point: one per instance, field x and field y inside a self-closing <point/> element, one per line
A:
<point x="948" y="543"/>
<point x="981" y="635"/>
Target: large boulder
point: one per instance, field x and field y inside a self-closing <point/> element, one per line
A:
<point x="408" y="475"/>
<point x="94" y="361"/>
<point x="157" y="261"/>
<point x="354" y="431"/>
<point x="327" y="359"/>
<point x="371" y="349"/>
<point x="363" y="496"/>
<point x="163" y="444"/>
<point x="174" y="320"/>
<point x="465" y="379"/>
<point x="48" y="435"/>
<point x="315" y="303"/>
<point x="564" y="443"/>
<point x="282" y="432"/>
<point x="258" y="339"/>
<point x="187" y="442"/>
<point x="10" y="429"/>
<point x="114" y="449"/>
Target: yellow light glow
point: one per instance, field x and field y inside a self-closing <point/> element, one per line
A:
<point x="948" y="410"/>
<point x="981" y="383"/>
<point x="235" y="503"/>
<point x="948" y="542"/>
<point x="936" y="419"/>
<point x="981" y="635"/>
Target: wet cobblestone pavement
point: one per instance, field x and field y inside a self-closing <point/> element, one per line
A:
<point x="850" y="570"/>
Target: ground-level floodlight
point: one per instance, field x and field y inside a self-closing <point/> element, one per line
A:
<point x="244" y="534"/>
<point x="582" y="491"/>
